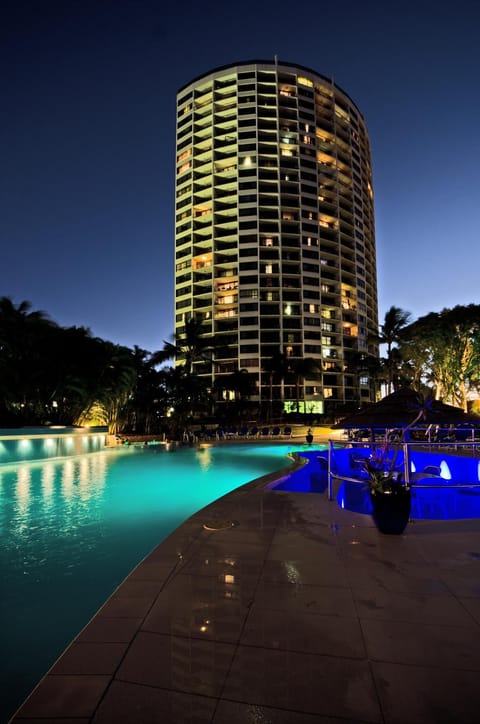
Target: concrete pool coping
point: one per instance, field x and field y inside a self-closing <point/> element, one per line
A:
<point x="281" y="607"/>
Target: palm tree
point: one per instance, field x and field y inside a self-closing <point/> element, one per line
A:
<point x="24" y="347"/>
<point x="191" y="345"/>
<point x="390" y="333"/>
<point x="302" y="369"/>
<point x="277" y="368"/>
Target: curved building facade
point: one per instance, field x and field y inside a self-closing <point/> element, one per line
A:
<point x="274" y="233"/>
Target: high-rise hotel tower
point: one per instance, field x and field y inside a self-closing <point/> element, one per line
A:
<point x="274" y="232"/>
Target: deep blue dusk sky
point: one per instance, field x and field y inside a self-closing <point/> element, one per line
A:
<point x="87" y="135"/>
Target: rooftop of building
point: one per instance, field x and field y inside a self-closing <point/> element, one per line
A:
<point x="270" y="62"/>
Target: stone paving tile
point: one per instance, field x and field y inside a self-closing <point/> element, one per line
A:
<point x="57" y="720"/>
<point x="173" y="662"/>
<point x="126" y="703"/>
<point x="90" y="658"/>
<point x="64" y="696"/>
<point x="305" y="597"/>
<point x="310" y="571"/>
<point x="423" y="644"/>
<point x="235" y="712"/>
<point x="110" y="630"/>
<point x="413" y="578"/>
<point x="203" y="607"/>
<point x="123" y="607"/>
<point x="373" y="601"/>
<point x="472" y="605"/>
<point x="326" y="685"/>
<point x="153" y="570"/>
<point x="312" y="633"/>
<point x="427" y="695"/>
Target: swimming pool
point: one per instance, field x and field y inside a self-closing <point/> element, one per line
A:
<point x="72" y="529"/>
<point x="449" y="490"/>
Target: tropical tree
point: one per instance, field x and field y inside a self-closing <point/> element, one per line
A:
<point x="301" y="369"/>
<point x="395" y="321"/>
<point x="276" y="367"/>
<point x="447" y="351"/>
<point x="242" y="384"/>
<point x="24" y="343"/>
<point x="190" y="345"/>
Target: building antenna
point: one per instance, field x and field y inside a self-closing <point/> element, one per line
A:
<point x="276" y="59"/>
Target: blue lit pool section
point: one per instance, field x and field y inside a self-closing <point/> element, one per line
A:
<point x="443" y="485"/>
<point x="449" y="494"/>
<point x="73" y="528"/>
<point x="449" y="503"/>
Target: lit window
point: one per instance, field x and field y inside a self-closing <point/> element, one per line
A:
<point x="304" y="81"/>
<point x="268" y="269"/>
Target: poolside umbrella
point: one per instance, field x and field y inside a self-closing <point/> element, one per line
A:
<point x="401" y="408"/>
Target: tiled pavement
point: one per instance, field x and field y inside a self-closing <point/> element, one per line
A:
<point x="298" y="613"/>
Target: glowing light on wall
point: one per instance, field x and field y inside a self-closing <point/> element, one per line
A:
<point x="445" y="470"/>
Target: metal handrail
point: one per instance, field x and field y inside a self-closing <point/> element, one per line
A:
<point x="406" y="461"/>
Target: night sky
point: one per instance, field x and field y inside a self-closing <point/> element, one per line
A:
<point x="87" y="139"/>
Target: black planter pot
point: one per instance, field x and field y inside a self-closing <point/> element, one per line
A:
<point x="391" y="511"/>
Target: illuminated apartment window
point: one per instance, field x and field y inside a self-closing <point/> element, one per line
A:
<point x="304" y="81"/>
<point x="268" y="269"/>
<point x="289" y="351"/>
<point x="327" y="392"/>
<point x="184" y="167"/>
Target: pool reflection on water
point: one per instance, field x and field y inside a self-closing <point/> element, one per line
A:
<point x="73" y="528"/>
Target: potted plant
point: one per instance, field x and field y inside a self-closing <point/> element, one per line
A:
<point x="390" y="497"/>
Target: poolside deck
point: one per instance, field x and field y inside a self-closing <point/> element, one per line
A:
<point x="300" y="612"/>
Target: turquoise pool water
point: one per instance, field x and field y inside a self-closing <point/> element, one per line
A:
<point x="72" y="529"/>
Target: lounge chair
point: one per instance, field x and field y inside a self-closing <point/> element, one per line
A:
<point x="253" y="432"/>
<point x="275" y="432"/>
<point x="287" y="431"/>
<point x="265" y="432"/>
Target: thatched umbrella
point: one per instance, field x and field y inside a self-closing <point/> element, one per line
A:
<point x="401" y="408"/>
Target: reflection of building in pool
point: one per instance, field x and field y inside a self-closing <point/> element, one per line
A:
<point x="275" y="243"/>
